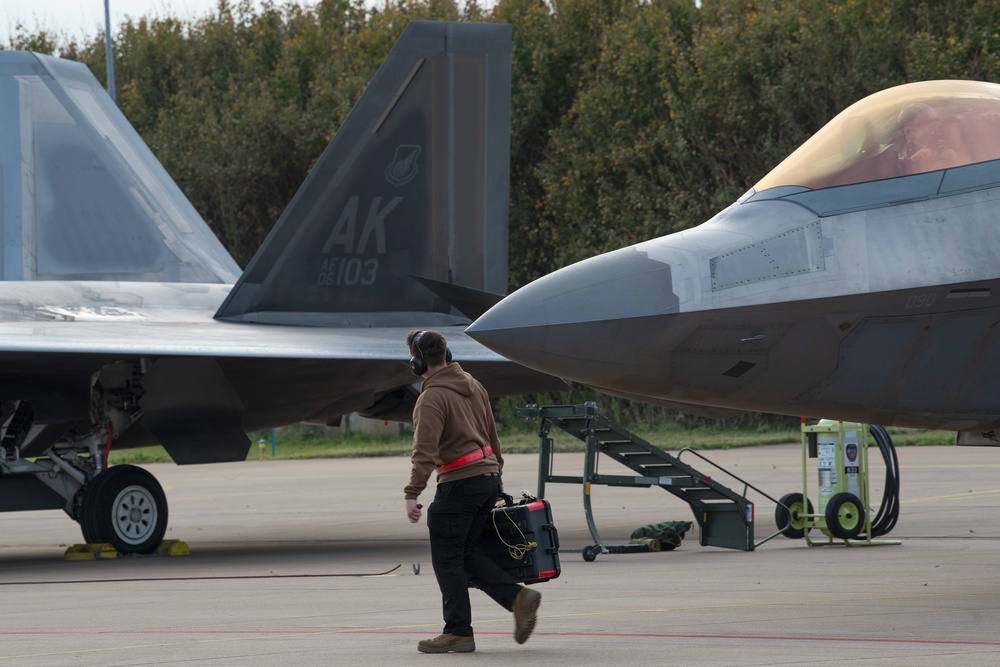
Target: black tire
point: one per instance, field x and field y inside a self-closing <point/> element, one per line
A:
<point x="788" y="515"/>
<point x="124" y="506"/>
<point x="845" y="516"/>
<point x="90" y="524"/>
<point x="590" y="553"/>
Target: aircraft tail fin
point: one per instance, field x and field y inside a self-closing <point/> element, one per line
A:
<point x="81" y="196"/>
<point x="406" y="210"/>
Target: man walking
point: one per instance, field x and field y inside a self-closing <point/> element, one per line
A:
<point x="454" y="434"/>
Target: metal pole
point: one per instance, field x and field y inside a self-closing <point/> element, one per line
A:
<point x="108" y="50"/>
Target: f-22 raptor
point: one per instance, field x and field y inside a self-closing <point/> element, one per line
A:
<point x="124" y="322"/>
<point x="855" y="281"/>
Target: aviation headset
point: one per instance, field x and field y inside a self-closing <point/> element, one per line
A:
<point x="417" y="364"/>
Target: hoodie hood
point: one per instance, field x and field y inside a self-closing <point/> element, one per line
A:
<point x="451" y="377"/>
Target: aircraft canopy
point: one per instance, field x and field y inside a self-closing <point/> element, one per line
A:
<point x="910" y="129"/>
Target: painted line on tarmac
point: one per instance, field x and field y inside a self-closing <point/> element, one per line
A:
<point x="796" y="638"/>
<point x="249" y="635"/>
<point x="410" y="630"/>
<point x="952" y="496"/>
<point x="951" y="466"/>
<point x="161" y="645"/>
<point x="271" y="635"/>
<point x="695" y="635"/>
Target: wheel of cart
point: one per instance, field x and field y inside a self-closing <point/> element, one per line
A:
<point x="845" y="516"/>
<point x="793" y="515"/>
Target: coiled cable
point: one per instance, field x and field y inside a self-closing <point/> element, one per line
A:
<point x="888" y="512"/>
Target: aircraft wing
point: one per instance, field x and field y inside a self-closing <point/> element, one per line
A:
<point x="221" y="339"/>
<point x="259" y="375"/>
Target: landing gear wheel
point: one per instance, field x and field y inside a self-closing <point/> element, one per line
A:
<point x="788" y="515"/>
<point x="845" y="517"/>
<point x="590" y="553"/>
<point x="126" y="507"/>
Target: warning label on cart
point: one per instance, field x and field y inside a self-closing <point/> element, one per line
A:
<point x="825" y="455"/>
<point x="827" y="461"/>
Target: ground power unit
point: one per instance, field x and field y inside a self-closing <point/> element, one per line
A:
<point x="843" y="510"/>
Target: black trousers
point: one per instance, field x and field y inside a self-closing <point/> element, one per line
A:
<point x="457" y="520"/>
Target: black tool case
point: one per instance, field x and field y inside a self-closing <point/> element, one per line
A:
<point x="510" y="534"/>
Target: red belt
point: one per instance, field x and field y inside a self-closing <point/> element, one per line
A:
<point x="466" y="459"/>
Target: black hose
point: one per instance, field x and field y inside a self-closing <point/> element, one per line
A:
<point x="888" y="511"/>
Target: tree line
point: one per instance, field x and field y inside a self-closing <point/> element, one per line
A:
<point x="630" y="118"/>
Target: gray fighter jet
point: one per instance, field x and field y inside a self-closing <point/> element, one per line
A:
<point x="121" y="325"/>
<point x="855" y="281"/>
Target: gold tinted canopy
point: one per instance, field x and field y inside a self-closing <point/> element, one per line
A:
<point x="910" y="129"/>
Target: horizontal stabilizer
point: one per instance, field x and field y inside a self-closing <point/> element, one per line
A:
<point x="415" y="182"/>
<point x="470" y="302"/>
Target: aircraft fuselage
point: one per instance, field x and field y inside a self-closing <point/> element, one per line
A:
<point x="855" y="302"/>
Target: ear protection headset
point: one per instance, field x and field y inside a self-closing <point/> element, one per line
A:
<point x="417" y="364"/>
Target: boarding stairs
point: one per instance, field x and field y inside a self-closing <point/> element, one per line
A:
<point x="725" y="518"/>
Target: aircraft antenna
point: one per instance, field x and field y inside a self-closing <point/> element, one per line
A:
<point x="109" y="58"/>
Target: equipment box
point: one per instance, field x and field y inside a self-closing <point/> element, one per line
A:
<point x="522" y="539"/>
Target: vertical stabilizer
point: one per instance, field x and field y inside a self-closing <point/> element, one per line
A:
<point x="409" y="199"/>
<point x="81" y="196"/>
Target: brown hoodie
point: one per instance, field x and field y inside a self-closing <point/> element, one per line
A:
<point x="451" y="418"/>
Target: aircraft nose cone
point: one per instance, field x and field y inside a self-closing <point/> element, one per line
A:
<point x="550" y="324"/>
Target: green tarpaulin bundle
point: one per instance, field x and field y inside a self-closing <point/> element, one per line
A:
<point x="667" y="535"/>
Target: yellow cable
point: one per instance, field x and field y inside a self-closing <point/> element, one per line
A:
<point x="516" y="551"/>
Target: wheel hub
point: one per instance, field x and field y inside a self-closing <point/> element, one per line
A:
<point x="135" y="512"/>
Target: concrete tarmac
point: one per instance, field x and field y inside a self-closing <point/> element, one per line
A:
<point x="314" y="563"/>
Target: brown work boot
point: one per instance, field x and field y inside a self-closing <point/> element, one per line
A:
<point x="525" y="606"/>
<point x="447" y="644"/>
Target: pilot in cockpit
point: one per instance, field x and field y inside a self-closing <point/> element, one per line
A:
<point x="925" y="147"/>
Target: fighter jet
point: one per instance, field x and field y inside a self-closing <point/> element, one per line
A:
<point x="854" y="281"/>
<point x="124" y="322"/>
